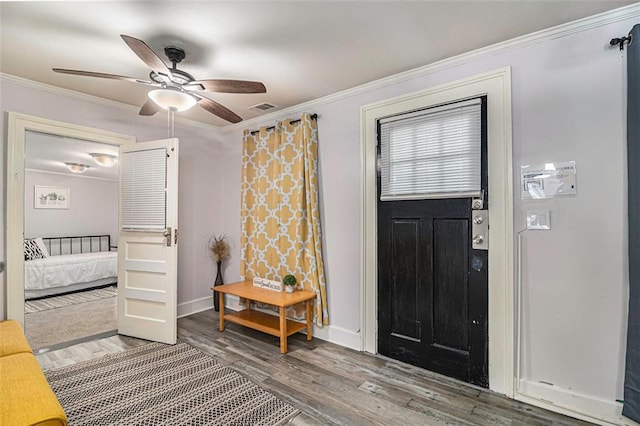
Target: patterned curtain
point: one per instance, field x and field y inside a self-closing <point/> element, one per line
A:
<point x="280" y="214"/>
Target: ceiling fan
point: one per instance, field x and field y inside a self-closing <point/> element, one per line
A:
<point x="177" y="82"/>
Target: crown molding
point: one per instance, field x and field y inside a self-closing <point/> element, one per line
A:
<point x="97" y="100"/>
<point x="563" y="30"/>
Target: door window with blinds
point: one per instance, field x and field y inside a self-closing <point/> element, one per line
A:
<point x="432" y="153"/>
<point x="144" y="190"/>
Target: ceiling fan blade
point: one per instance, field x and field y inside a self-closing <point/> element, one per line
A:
<point x="216" y="109"/>
<point x="149" y="108"/>
<point x="102" y="75"/>
<point x="147" y="55"/>
<point x="229" y="86"/>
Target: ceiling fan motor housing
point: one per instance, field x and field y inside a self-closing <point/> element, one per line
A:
<point x="175" y="54"/>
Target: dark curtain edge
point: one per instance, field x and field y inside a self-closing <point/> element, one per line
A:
<point x="631" y="406"/>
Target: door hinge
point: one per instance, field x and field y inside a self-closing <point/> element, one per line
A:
<point x="175" y="237"/>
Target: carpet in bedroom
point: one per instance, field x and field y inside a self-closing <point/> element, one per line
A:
<point x="45" y="303"/>
<point x="68" y="323"/>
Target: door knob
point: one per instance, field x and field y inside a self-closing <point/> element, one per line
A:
<point x="167" y="236"/>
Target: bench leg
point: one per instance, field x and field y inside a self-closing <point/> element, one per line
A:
<point x="221" y="297"/>
<point x="283" y="330"/>
<point x="309" y="316"/>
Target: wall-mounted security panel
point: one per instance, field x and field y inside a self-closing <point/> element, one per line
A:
<point x="548" y="180"/>
<point x="538" y="219"/>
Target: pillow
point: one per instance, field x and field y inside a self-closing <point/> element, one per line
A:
<point x="32" y="251"/>
<point x="42" y="247"/>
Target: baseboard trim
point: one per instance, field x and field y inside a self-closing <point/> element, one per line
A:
<point x="332" y="334"/>
<point x="338" y="335"/>
<point x="571" y="403"/>
<point x="195" y="306"/>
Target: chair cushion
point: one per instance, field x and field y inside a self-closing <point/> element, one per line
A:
<point x="27" y="398"/>
<point x="12" y="340"/>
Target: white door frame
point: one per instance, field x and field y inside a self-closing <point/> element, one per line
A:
<point x="14" y="221"/>
<point x="497" y="86"/>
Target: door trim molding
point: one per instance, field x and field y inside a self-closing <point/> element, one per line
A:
<point x="497" y="86"/>
<point x="18" y="125"/>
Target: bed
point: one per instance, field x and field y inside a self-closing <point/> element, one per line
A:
<point x="65" y="264"/>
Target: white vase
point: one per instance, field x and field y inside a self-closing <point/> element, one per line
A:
<point x="288" y="288"/>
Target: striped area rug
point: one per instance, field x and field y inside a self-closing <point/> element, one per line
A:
<point x="53" y="302"/>
<point x="157" y="384"/>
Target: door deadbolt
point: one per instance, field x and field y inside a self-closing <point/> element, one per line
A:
<point x="480" y="229"/>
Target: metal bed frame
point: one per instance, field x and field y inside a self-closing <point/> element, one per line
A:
<point x="82" y="244"/>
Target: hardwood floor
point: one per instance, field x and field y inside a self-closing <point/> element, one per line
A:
<point x="333" y="385"/>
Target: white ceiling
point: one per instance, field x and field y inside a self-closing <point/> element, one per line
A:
<point x="44" y="152"/>
<point x="301" y="50"/>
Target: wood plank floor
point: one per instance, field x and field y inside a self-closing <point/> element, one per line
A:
<point x="333" y="385"/>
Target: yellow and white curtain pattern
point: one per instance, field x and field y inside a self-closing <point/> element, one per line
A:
<point x="280" y="214"/>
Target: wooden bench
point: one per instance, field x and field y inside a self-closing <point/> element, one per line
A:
<point x="276" y="326"/>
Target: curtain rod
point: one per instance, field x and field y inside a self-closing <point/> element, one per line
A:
<point x="621" y="40"/>
<point x="313" y="117"/>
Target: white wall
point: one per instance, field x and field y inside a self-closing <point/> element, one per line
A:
<point x="93" y="207"/>
<point x="199" y="182"/>
<point x="567" y="104"/>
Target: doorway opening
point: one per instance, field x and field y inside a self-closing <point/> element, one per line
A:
<point x="70" y="231"/>
<point x="48" y="191"/>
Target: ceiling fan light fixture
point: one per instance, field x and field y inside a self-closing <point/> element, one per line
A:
<point x="76" y="167"/>
<point x="172" y="99"/>
<point x="106" y="160"/>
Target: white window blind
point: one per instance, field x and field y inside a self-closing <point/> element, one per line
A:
<point x="143" y="189"/>
<point x="433" y="153"/>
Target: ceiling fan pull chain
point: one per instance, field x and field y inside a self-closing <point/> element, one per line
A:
<point x="170" y="123"/>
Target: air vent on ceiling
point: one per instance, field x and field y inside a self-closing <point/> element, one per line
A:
<point x="264" y="106"/>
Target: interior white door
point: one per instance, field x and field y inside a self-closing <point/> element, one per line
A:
<point x="148" y="240"/>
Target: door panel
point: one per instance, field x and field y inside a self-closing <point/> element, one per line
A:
<point x="405" y="309"/>
<point x="147" y="252"/>
<point x="450" y="302"/>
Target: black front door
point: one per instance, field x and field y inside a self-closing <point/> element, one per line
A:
<point x="433" y="286"/>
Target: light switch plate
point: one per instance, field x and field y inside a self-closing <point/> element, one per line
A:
<point x="538" y="219"/>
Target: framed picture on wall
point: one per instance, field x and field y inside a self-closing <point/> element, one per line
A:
<point x="50" y="197"/>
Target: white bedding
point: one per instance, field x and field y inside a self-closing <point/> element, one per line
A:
<point x="55" y="273"/>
